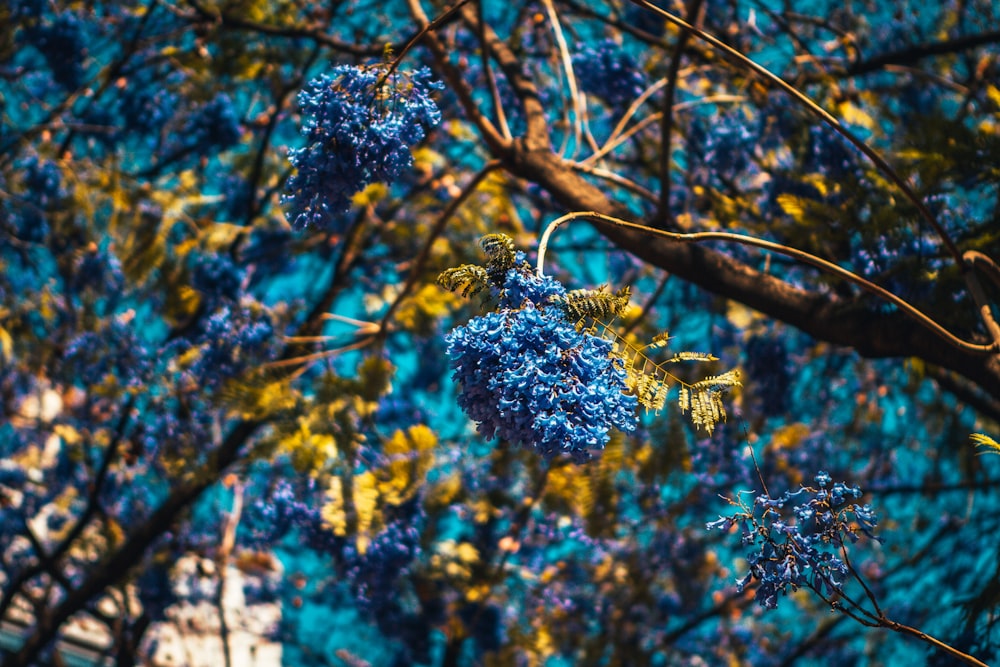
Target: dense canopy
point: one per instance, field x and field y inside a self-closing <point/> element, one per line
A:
<point x="555" y="332"/>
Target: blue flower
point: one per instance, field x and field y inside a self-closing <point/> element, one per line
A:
<point x="528" y="376"/>
<point x="791" y="553"/>
<point x="216" y="276"/>
<point x="43" y="193"/>
<point x="359" y="127"/>
<point x="215" y="125"/>
<point x="606" y="71"/>
<point x="523" y="286"/>
<point x="62" y="42"/>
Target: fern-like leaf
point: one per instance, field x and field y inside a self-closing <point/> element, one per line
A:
<point x="659" y="340"/>
<point x="703" y="399"/>
<point x="691" y="356"/>
<point x="719" y="382"/>
<point x="649" y="388"/>
<point x="471" y="279"/>
<point x="704" y="411"/>
<point x="595" y="304"/>
<point x="500" y="254"/>
<point x="983" y="440"/>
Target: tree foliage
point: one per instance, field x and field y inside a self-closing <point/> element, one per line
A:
<point x="235" y="238"/>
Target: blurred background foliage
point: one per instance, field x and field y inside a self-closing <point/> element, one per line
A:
<point x="185" y="378"/>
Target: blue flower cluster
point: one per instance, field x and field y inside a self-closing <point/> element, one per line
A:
<point x="62" y="42"/>
<point x="880" y="255"/>
<point x="43" y="192"/>
<point x="145" y="108"/>
<point x="606" y="71"/>
<point x="216" y="276"/>
<point x="530" y="377"/>
<point x="374" y="575"/>
<point x="98" y="269"/>
<point x="359" y="127"/>
<point x="521" y="286"/>
<point x="233" y="339"/>
<point x="273" y="512"/>
<point x="804" y="550"/>
<point x="213" y="126"/>
<point x="114" y="350"/>
<point x="27" y="8"/>
<point x="721" y="149"/>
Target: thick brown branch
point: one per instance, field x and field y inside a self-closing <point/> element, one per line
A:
<point x="825" y="316"/>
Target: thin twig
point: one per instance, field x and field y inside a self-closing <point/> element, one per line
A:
<point x="667" y="119"/>
<point x="857" y="576"/>
<point x="616" y="178"/>
<point x="307" y="359"/>
<point x="805" y="257"/>
<point x="456" y="81"/>
<point x="567" y="63"/>
<point x="933" y="641"/>
<point x="410" y="43"/>
<point x="491" y="80"/>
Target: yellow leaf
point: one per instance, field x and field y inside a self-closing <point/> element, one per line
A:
<point x="410" y="455"/>
<point x="983" y="440"/>
<point x="789" y="437"/>
<point x="444" y="492"/>
<point x="467" y="553"/>
<point x="477" y="593"/>
<point x="819" y="182"/>
<point x="220" y="235"/>
<point x="426" y="159"/>
<point x="543" y="642"/>
<point x="309" y="452"/>
<point x="68" y="434"/>
<point x="569" y="490"/>
<point x="739" y="315"/>
<point x="255" y="398"/>
<point x="374" y="376"/>
<point x="6" y="344"/>
<point x="115" y="532"/>
<point x="365" y="501"/>
<point x="423" y="309"/>
<point x="371" y="195"/>
<point x="685" y="221"/>
<point x="333" y="514"/>
<point x="993" y="93"/>
<point x="181" y="304"/>
<point x="852" y="114"/>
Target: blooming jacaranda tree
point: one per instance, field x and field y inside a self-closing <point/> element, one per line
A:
<point x="231" y="389"/>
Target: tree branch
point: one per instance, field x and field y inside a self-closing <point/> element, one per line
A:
<point x="827" y="317"/>
<point x="919" y="52"/>
<point x="118" y="564"/>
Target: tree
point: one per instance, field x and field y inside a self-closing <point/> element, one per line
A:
<point x="222" y="334"/>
